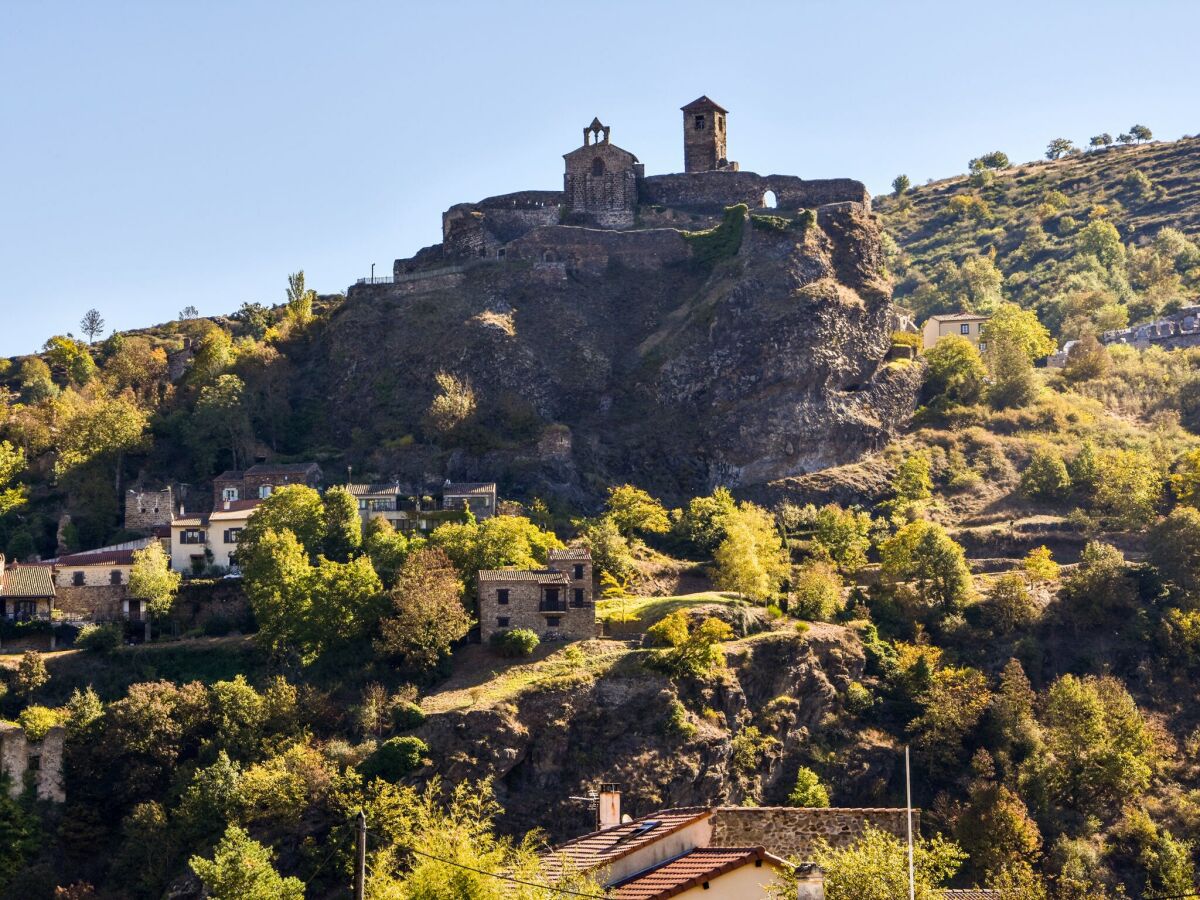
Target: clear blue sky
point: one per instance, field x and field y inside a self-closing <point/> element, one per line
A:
<point x="155" y="155"/>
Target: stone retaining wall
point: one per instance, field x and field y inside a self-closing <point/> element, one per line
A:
<point x="592" y="249"/>
<point x="795" y="832"/>
<point x="93" y="603"/>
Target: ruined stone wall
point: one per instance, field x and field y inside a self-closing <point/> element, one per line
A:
<point x="478" y="230"/>
<point x="713" y="191"/>
<point x="38" y="763"/>
<point x="94" y="603"/>
<point x="592" y="249"/>
<point x="146" y="509"/>
<point x="791" y="831"/>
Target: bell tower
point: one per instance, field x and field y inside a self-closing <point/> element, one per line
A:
<point x="704" y="137"/>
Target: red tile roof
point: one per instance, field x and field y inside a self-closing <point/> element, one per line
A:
<point x="27" y="581"/>
<point x="541" y="576"/>
<point x="571" y="553"/>
<point x="693" y="869"/>
<point x="600" y="848"/>
<point x="96" y="558"/>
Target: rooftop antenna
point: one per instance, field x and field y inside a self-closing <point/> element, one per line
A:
<point x="912" y="884"/>
<point x="590" y="801"/>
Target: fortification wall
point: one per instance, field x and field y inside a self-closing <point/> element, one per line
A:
<point x="592" y="249"/>
<point x="792" y="831"/>
<point x="713" y="191"/>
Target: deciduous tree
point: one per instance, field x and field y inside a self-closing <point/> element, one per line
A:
<point x="427" y="611"/>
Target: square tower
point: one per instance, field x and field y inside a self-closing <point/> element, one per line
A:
<point x="704" y="136"/>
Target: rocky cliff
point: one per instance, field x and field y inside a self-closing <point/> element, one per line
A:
<point x="736" y="356"/>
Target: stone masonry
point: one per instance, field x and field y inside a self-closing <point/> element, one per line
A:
<point x="600" y="183"/>
<point x="704" y="137"/>
<point x="795" y="832"/>
<point x="38" y="763"/>
<point x="556" y="603"/>
<point x="144" y="510"/>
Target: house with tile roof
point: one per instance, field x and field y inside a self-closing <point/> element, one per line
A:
<point x="258" y="481"/>
<point x="92" y="585"/>
<point x="556" y="602"/>
<point x="210" y="539"/>
<point x="961" y="324"/>
<point x="479" y="497"/>
<point x="26" y="592"/>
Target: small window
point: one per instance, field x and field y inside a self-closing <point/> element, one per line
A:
<point x="579" y="596"/>
<point x="578" y="571"/>
<point x="502" y="596"/>
<point x="232" y="535"/>
<point x="264" y="491"/>
<point x="229" y="493"/>
<point x="35" y="763"/>
<point x="77" y="579"/>
<point x="502" y="622"/>
<point x="698" y="123"/>
<point x="965" y="328"/>
<point x="553" y="621"/>
<point x="983" y="346"/>
<point x="115" y="576"/>
<point x="597" y="166"/>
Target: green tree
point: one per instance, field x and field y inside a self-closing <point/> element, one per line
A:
<point x="751" y="560"/>
<point x="924" y="554"/>
<point x="152" y="581"/>
<point x="842" y="535"/>
<point x="342" y="525"/>
<point x="1046" y="477"/>
<point x="1009" y="605"/>
<point x="239" y="716"/>
<point x="996" y="830"/>
<point x="688" y="651"/>
<point x="901" y="184"/>
<point x="70" y="360"/>
<point x="35" y="380"/>
<point x="1141" y="133"/>
<point x="31" y="676"/>
<point x="345" y="604"/>
<point x="298" y="305"/>
<point x="1100" y="238"/>
<point x="387" y="548"/>
<point x="294" y="508"/>
<point x="1058" y="148"/>
<point x="1101" y="140"/>
<point x="1175" y="547"/>
<point x="12" y="464"/>
<point x="635" y="511"/>
<point x="954" y="370"/>
<point x="1100" y="584"/>
<point x="97" y="427"/>
<point x="1020" y="327"/>
<point x="994" y="160"/>
<point x="1040" y="566"/>
<point x="953" y="705"/>
<point x="875" y="867"/>
<point x="611" y="553"/>
<point x="220" y="410"/>
<point x="816" y="592"/>
<point x="494" y="544"/>
<point x="1129" y="487"/>
<point x="912" y="482"/>
<point x="702" y="523"/>
<point x="276" y="580"/>
<point x="92" y="324"/>
<point x="241" y="869"/>
<point x="20" y="838"/>
<point x="427" y="611"/>
<point x="1185" y="480"/>
<point x="808" y="790"/>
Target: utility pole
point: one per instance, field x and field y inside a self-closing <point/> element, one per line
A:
<point x="912" y="882"/>
<point x="360" y="858"/>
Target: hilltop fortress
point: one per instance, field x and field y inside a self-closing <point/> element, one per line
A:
<point x="605" y="189"/>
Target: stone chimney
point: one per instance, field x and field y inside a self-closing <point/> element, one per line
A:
<point x="609" y="808"/>
<point x="810" y="882"/>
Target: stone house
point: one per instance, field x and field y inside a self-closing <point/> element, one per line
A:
<point x="555" y="602"/>
<point x="258" y="481"/>
<point x="479" y="497"/>
<point x="26" y="592"/>
<point x="410" y="513"/>
<point x="92" y="585"/>
<point x="963" y="324"/>
<point x="211" y="539"/>
<point x="37" y="762"/>
<point x="147" y="510"/>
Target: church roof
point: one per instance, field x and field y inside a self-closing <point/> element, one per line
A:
<point x="702" y="102"/>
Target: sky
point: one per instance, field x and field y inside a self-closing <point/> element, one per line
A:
<point x="158" y="155"/>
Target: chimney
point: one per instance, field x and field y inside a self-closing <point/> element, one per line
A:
<point x="608" y="810"/>
<point x="227" y="506"/>
<point x="810" y="882"/>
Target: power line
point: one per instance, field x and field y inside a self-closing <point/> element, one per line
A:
<point x="508" y="878"/>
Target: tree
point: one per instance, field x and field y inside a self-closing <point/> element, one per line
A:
<point x="453" y="403"/>
<point x="1046" y="478"/>
<point x="1040" y="566"/>
<point x="842" y="535"/>
<point x="134" y="364"/>
<point x="1008" y="605"/>
<point x="276" y="578"/>
<point x="923" y="553"/>
<point x="188" y="313"/>
<point x="345" y="603"/>
<point x="1058" y="148"/>
<point x="12" y="463"/>
<point x="1129" y="486"/>
<point x="152" y="581"/>
<point x="900" y="185"/>
<point x="32" y="674"/>
<point x="91" y="324"/>
<point x="96" y="426"/>
<point x="295" y="508"/>
<point x="751" y="560"/>
<point x="1100" y="238"/>
<point x="1087" y="359"/>
<point x="494" y="543"/>
<point x="220" y="411"/>
<point x="912" y="482"/>
<point x="954" y="370"/>
<point x="1175" y="547"/>
<point x="1021" y="328"/>
<point x="1100" y="583"/>
<point x="633" y="510"/>
<point x="69" y="360"/>
<point x="875" y="867"/>
<point x="300" y="299"/>
<point x="1101" y="140"/>
<point x="996" y="830"/>
<point x="703" y="520"/>
<point x="953" y="704"/>
<point x="688" y="651"/>
<point x="427" y="611"/>
<point x="610" y="551"/>
<point x="343" y="524"/>
<point x="816" y="592"/>
<point x="1141" y="133"/>
<point x="241" y="869"/>
<point x="387" y="548"/>
<point x="255" y="318"/>
<point x="1125" y="138"/>
<point x="808" y="791"/>
<point x="994" y="160"/>
<point x="1185" y="481"/>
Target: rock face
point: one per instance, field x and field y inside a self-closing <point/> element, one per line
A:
<point x="746" y="355"/>
<point x="560" y="738"/>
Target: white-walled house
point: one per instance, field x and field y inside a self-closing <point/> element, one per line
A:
<point x="211" y="539"/>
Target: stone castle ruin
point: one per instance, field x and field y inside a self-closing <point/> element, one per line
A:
<point x="605" y="188"/>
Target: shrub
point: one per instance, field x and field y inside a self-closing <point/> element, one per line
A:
<point x="858" y="698"/>
<point x="1046" y="477"/>
<point x="1008" y="605"/>
<point x="687" y="650"/>
<point x="395" y="758"/>
<point x="514" y="642"/>
<point x="816" y="592"/>
<point x="37" y="721"/>
<point x="407" y="715"/>
<point x="101" y="638"/>
<point x="808" y="790"/>
<point x="218" y="626"/>
<point x="721" y="242"/>
<point x="678" y="723"/>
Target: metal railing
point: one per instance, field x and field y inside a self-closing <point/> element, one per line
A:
<point x="552" y="606"/>
<point x="382" y="279"/>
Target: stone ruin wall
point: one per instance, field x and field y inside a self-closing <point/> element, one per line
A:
<point x="146" y="509"/>
<point x="593" y="249"/>
<point x="713" y="191"/>
<point x="17" y="753"/>
<point x="790" y="831"/>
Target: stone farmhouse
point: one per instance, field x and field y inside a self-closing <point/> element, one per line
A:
<point x="210" y="539"/>
<point x="258" y="481"/>
<point x="720" y="853"/>
<point x="26" y="592"/>
<point x="408" y="512"/>
<point x="94" y="584"/>
<point x="555" y="602"/>
<point x="609" y="211"/>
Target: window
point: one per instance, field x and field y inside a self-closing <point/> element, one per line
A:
<point x="500" y="253"/>
<point x="77" y="579"/>
<point x="578" y="571"/>
<point x="229" y="493"/>
<point x="35" y="763"/>
<point x="264" y="491"/>
<point x="114" y="577"/>
<point x="551" y="596"/>
<point x="191" y="536"/>
<point x="578" y="597"/>
<point x="232" y="535"/>
<point x="552" y="621"/>
<point x="965" y="328"/>
<point x="597" y="166"/>
<point x="983" y="346"/>
<point x="698" y="123"/>
<point x="502" y="596"/>
<point x="502" y="622"/>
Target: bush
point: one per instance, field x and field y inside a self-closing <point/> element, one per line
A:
<point x="1046" y="477"/>
<point x="816" y="593"/>
<point x="858" y="698"/>
<point x="37" y="721"/>
<point x="407" y="715"/>
<point x="101" y="638"/>
<point x="677" y="722"/>
<point x="808" y="790"/>
<point x="514" y="642"/>
<point x="395" y="758"/>
<point x="218" y="626"/>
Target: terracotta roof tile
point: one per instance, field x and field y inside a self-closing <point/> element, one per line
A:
<point x="96" y="558"/>
<point x="601" y="848"/>
<point x="542" y="576"/>
<point x="571" y="553"/>
<point x="469" y="487"/>
<point x="693" y="869"/>
<point x="27" y="581"/>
